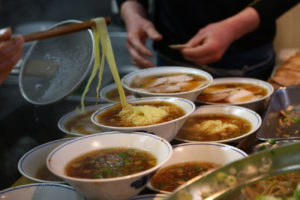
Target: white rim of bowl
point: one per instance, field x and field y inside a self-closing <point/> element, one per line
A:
<point x="23" y="158"/>
<point x="36" y="185"/>
<point x="239" y="151"/>
<point x="168" y="145"/>
<point x="254" y="81"/>
<point x="140" y="101"/>
<point x="209" y="78"/>
<point x="108" y="88"/>
<point x="148" y="196"/>
<point x="255" y="114"/>
<point x="61" y="122"/>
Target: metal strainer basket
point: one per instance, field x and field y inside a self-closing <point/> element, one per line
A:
<point x="53" y="68"/>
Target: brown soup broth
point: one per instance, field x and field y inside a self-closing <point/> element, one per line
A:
<point x="257" y="90"/>
<point x="111" y="116"/>
<point x="190" y="130"/>
<point x="172" y="176"/>
<point x="82" y="124"/>
<point x="110" y="162"/>
<point x="147" y="81"/>
<point x="114" y="94"/>
<point x="43" y="173"/>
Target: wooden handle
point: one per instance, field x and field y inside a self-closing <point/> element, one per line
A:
<point x="61" y="30"/>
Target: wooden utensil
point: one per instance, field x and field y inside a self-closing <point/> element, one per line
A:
<point x="178" y="46"/>
<point x="61" y="30"/>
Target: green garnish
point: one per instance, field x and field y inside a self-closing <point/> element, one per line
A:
<point x="296" y="119"/>
<point x="272" y="141"/>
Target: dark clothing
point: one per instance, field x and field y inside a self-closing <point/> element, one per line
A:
<point x="179" y="21"/>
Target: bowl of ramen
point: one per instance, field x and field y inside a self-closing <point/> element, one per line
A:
<point x="45" y="191"/>
<point x="190" y="160"/>
<point x="76" y="123"/>
<point x="110" y="165"/>
<point x="110" y="94"/>
<point x="246" y="92"/>
<point x="219" y="123"/>
<point x="149" y="197"/>
<point x="33" y="166"/>
<point x="162" y="116"/>
<point x="171" y="81"/>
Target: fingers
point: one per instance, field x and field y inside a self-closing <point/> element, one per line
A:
<point x="152" y="32"/>
<point x="135" y="41"/>
<point x="7" y="65"/>
<point x="5" y="34"/>
<point x="9" y="47"/>
<point x="137" y="59"/>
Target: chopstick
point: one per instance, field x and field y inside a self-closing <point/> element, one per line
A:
<point x="61" y="30"/>
<point x="178" y="46"/>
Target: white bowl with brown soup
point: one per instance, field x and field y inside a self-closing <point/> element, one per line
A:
<point x="246" y="92"/>
<point x="219" y="123"/>
<point x="33" y="166"/>
<point x="189" y="160"/>
<point x="109" y="165"/>
<point x="162" y="116"/>
<point x="77" y="123"/>
<point x="110" y="94"/>
<point x="171" y="81"/>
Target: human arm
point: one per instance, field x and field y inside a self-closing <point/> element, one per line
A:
<point x="211" y="42"/>
<point x="10" y="52"/>
<point x="139" y="28"/>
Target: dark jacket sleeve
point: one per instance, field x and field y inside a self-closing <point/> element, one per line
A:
<point x="270" y="10"/>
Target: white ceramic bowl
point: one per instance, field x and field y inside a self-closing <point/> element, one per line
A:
<point x="190" y="95"/>
<point x="149" y="197"/>
<point x="221" y="154"/>
<point x="69" y="116"/>
<point x="109" y="188"/>
<point x="31" y="161"/>
<point x="238" y="111"/>
<point x="44" y="191"/>
<point x="108" y="88"/>
<point x="166" y="130"/>
<point x="258" y="104"/>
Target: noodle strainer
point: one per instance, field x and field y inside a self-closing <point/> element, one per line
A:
<point x="53" y="68"/>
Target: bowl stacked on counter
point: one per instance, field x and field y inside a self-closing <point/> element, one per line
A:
<point x="109" y="140"/>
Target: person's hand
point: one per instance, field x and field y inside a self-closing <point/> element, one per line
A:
<point x="211" y="42"/>
<point x="138" y="30"/>
<point x="10" y="52"/>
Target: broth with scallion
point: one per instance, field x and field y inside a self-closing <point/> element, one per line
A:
<point x="170" y="177"/>
<point x="110" y="162"/>
<point x="213" y="127"/>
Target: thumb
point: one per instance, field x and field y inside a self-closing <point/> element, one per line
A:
<point x="152" y="32"/>
<point x="5" y="34"/>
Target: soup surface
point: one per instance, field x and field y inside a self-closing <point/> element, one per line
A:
<point x="43" y="173"/>
<point x="168" y="83"/>
<point x="113" y="94"/>
<point x="111" y="162"/>
<point x="140" y="114"/>
<point x="170" y="177"/>
<point x="232" y="93"/>
<point x="82" y="124"/>
<point x="213" y="127"/>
